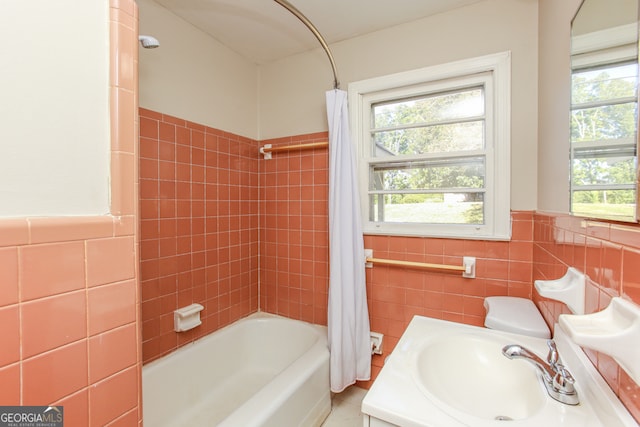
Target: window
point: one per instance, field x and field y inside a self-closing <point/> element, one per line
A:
<point x="604" y="117"/>
<point x="434" y="150"/>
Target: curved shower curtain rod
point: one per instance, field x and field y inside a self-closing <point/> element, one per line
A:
<point x="314" y="30"/>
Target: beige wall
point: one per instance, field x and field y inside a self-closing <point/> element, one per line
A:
<point x="54" y="112"/>
<point x="194" y="77"/>
<point x="553" y="104"/>
<point x="292" y="90"/>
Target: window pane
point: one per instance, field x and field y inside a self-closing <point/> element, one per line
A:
<point x="603" y="141"/>
<point x="613" y="204"/>
<point x="430" y="109"/>
<point x="602" y="84"/>
<point x="431" y="139"/>
<point x="445" y="174"/>
<point x="428" y="208"/>
<point x="604" y="122"/>
<point x="603" y="170"/>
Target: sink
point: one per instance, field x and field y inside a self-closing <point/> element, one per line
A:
<point x="469" y="373"/>
<point x="445" y="374"/>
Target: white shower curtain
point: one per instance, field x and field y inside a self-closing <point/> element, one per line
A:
<point x="348" y="314"/>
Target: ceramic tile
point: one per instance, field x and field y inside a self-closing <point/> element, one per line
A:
<point x="493" y="269"/>
<point x="123" y="195"/>
<point x="124" y="52"/>
<point x="53" y="375"/>
<point x="126" y="6"/>
<point x="473" y="306"/>
<point x="111" y="306"/>
<point x="14" y="232"/>
<point x="520" y="271"/>
<point x="625" y="235"/>
<point x="10" y="335"/>
<point x="122" y="17"/>
<point x="609" y="370"/>
<point x="149" y="128"/>
<point x="52" y="322"/>
<point x="630" y="394"/>
<point x="128" y="419"/>
<point x="10" y="380"/>
<point x="76" y="408"/>
<point x="149" y="188"/>
<point x="631" y="275"/>
<point x="123" y="137"/>
<point x="520" y="251"/>
<point x="110" y="260"/>
<point x="125" y="225"/>
<point x="9" y="274"/>
<point x="167" y="136"/>
<point x="522" y="231"/>
<point x="111" y="352"/>
<point x="113" y="397"/>
<point x="51" y="269"/>
<point x="168" y="119"/>
<point x="64" y="229"/>
<point x="611" y="267"/>
<point x="148" y="151"/>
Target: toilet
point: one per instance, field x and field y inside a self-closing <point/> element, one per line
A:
<point x="516" y="315"/>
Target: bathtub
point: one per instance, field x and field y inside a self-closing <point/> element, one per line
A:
<point x="263" y="370"/>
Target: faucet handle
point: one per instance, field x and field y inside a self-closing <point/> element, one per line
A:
<point x="563" y="381"/>
<point x="552" y="357"/>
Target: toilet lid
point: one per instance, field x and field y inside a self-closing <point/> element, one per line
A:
<point x="517" y="315"/>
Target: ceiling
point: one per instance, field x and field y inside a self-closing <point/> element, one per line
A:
<point x="263" y="31"/>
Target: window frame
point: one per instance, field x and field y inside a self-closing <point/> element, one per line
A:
<point x="495" y="73"/>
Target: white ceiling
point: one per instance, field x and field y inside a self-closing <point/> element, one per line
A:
<point x="263" y="31"/>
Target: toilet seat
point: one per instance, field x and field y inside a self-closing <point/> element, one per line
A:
<point x="517" y="315"/>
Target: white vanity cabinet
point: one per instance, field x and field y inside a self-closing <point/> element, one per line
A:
<point x="368" y="421"/>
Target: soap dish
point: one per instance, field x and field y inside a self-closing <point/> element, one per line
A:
<point x="186" y="318"/>
<point x="613" y="331"/>
<point x="568" y="289"/>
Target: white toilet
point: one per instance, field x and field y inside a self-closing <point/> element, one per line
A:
<point x="517" y="315"/>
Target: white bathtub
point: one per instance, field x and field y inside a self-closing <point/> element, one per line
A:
<point x="263" y="370"/>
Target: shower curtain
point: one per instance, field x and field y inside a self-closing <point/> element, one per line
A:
<point x="348" y="314"/>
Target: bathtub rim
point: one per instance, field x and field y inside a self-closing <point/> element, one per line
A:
<point x="258" y="315"/>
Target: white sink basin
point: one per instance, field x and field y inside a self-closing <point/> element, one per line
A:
<point x="445" y="374"/>
<point x="470" y="373"/>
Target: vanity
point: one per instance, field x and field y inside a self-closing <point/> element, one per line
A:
<point x="446" y="374"/>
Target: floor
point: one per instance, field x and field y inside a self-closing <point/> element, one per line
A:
<point x="345" y="411"/>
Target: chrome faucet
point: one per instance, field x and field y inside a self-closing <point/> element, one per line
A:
<point x="556" y="378"/>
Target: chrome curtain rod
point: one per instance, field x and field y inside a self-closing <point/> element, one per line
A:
<point x="314" y="30"/>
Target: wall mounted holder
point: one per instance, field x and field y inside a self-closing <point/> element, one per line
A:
<point x="468" y="267"/>
<point x="568" y="289"/>
<point x="186" y="318"/>
<point x="614" y="331"/>
<point x="376" y="342"/>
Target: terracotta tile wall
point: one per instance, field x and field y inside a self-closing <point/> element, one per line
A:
<point x="609" y="255"/>
<point x="294" y="256"/>
<point x="69" y="298"/>
<point x="395" y="294"/>
<point x="199" y="228"/>
<point x="294" y="238"/>
<point x="294" y="261"/>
